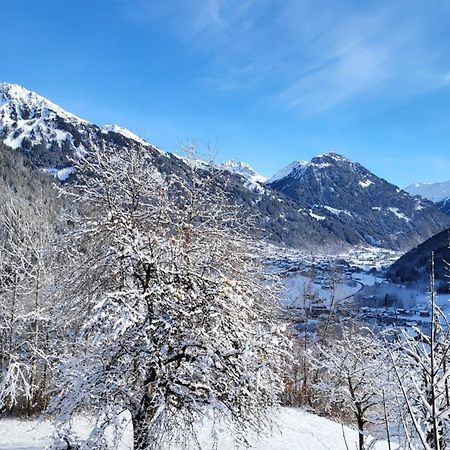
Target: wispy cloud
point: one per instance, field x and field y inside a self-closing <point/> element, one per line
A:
<point x="312" y="56"/>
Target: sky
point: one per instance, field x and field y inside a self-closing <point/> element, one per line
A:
<point x="262" y="81"/>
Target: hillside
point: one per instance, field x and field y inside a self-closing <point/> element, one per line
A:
<point x="444" y="205"/>
<point x="415" y="265"/>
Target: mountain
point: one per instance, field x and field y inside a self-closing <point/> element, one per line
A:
<point x="48" y="134"/>
<point x="327" y="204"/>
<point x="436" y="192"/>
<point x="357" y="205"/>
<point x="415" y="265"/>
<point x="50" y="138"/>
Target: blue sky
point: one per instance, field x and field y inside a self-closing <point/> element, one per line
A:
<point x="263" y="81"/>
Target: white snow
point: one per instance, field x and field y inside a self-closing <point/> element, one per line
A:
<point x="253" y="180"/>
<point x="365" y="183"/>
<point x="334" y="156"/>
<point x="297" y="285"/>
<point x="298" y="430"/>
<point x="10" y="91"/>
<point x="27" y="115"/>
<point x="320" y="165"/>
<point x="316" y="216"/>
<point x="61" y="174"/>
<point x="297" y="168"/>
<point x="335" y="211"/>
<point x="396" y="211"/>
<point x="124" y="132"/>
<point x="244" y="169"/>
<point x="286" y="171"/>
<point x="431" y="191"/>
<point x="398" y="214"/>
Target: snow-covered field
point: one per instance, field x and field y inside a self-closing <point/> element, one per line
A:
<point x="298" y="285"/>
<point x="297" y="430"/>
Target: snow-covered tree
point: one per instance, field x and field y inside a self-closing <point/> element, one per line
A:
<point x="26" y="262"/>
<point x="421" y="361"/>
<point x="351" y="380"/>
<point x="178" y="318"/>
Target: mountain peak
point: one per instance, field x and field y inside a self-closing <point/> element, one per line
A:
<point x="344" y="195"/>
<point x="14" y="90"/>
<point x="244" y="169"/>
<point x="50" y="135"/>
<point x="331" y="158"/>
<point x="291" y="168"/>
<point x="22" y="102"/>
<point x="298" y="167"/>
<point x="333" y="155"/>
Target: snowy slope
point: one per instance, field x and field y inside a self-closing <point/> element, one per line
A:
<point x="298" y="430"/>
<point x="295" y="169"/>
<point x="124" y="132"/>
<point x="244" y="169"/>
<point x="52" y="138"/>
<point x="28" y="119"/>
<point x="414" y="266"/>
<point x="435" y="192"/>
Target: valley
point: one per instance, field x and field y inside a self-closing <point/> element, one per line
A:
<point x="353" y="286"/>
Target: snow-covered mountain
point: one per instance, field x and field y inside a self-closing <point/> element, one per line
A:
<point x="244" y="169"/>
<point x="51" y="137"/>
<point x="439" y="193"/>
<point x="294" y="168"/>
<point x="48" y="133"/>
<point x="435" y="192"/>
<point x="356" y="204"/>
<point x="28" y="119"/>
<point x="329" y="202"/>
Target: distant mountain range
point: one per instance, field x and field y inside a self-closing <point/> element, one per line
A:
<point x="438" y="193"/>
<point x="435" y="192"/>
<point x="328" y="203"/>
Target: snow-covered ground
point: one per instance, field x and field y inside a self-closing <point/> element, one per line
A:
<point x="299" y="285"/>
<point x="298" y="430"/>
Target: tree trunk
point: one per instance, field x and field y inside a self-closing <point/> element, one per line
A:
<point x="142" y="419"/>
<point x="361" y="433"/>
<point x="141" y="436"/>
